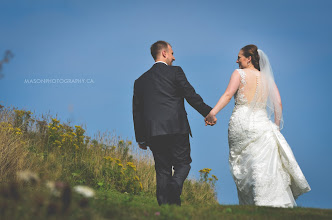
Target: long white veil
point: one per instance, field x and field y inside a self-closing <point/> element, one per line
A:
<point x="270" y="90"/>
<point x="267" y="94"/>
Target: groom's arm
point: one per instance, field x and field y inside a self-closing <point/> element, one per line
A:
<point x="138" y="116"/>
<point x="190" y="94"/>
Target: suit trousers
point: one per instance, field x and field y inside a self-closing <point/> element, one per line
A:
<point x="170" y="151"/>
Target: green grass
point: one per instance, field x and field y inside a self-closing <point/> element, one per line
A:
<point x="122" y="176"/>
<point x="34" y="202"/>
<point x="142" y="207"/>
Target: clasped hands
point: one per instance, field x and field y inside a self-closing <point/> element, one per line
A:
<point x="210" y="119"/>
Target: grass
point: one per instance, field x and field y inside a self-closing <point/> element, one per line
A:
<point x="34" y="202"/>
<point x="59" y="156"/>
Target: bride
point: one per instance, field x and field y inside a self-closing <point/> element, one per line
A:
<point x="262" y="163"/>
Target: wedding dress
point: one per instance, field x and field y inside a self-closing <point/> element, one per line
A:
<point x="262" y="163"/>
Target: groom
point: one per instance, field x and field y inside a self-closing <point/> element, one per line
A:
<point x="160" y="120"/>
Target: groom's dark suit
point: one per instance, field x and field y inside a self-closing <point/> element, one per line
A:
<point x="160" y="121"/>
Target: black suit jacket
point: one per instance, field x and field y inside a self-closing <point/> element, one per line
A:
<point x="158" y="102"/>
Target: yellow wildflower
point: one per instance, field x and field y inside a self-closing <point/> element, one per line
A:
<point x="214" y="177"/>
<point x="108" y="158"/>
<point x="205" y="170"/>
<point x="54" y="120"/>
<point x="131" y="165"/>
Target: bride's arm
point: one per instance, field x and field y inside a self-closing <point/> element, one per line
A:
<point x="232" y="87"/>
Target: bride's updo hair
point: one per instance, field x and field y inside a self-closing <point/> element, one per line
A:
<point x="251" y="50"/>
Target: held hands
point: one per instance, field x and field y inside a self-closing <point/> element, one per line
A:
<point x="210" y="119"/>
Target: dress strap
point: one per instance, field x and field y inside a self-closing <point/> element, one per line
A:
<point x="243" y="76"/>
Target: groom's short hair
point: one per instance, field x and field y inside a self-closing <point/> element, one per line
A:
<point x="157" y="47"/>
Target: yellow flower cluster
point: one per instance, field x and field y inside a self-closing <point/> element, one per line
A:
<point x="5" y="124"/>
<point x="131" y="165"/>
<point x="126" y="171"/>
<point x="79" y="134"/>
<point x="9" y="127"/>
<point x="21" y="113"/>
<point x="67" y="137"/>
<point x="57" y="143"/>
<point x="55" y="121"/>
<point x="214" y="177"/>
<point x="136" y="178"/>
<point x="64" y="135"/>
<point x="205" y="170"/>
<point x="17" y="131"/>
<point x="109" y="158"/>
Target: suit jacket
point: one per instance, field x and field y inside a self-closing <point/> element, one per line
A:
<point x="158" y="102"/>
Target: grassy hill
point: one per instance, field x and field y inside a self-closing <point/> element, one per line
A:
<point x="36" y="204"/>
<point x="53" y="170"/>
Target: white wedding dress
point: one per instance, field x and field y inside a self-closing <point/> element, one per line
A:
<point x="262" y="163"/>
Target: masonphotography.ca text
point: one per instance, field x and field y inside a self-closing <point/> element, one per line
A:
<point x="56" y="81"/>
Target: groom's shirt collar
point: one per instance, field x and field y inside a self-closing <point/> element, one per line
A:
<point x="160" y="62"/>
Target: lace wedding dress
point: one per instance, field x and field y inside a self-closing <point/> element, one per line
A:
<point x="262" y="163"/>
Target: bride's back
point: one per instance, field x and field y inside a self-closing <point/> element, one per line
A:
<point x="252" y="86"/>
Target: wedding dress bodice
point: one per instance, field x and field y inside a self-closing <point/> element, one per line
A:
<point x="251" y="89"/>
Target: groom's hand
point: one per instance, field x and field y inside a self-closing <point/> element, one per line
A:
<point x="210" y="119"/>
<point x="142" y="145"/>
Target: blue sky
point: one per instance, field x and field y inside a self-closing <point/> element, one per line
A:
<point x="109" y="41"/>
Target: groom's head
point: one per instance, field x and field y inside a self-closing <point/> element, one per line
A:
<point x="162" y="51"/>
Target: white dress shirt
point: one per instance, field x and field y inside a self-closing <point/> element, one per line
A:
<point x="161" y="62"/>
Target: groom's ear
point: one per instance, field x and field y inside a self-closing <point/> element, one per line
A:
<point x="163" y="53"/>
